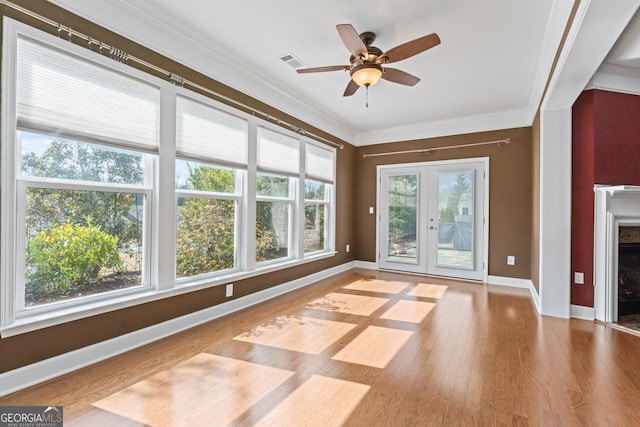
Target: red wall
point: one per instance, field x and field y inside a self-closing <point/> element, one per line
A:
<point x="606" y="150"/>
<point x="583" y="179"/>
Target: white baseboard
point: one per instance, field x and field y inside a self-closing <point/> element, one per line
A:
<point x="510" y="281"/>
<point x="35" y="373"/>
<point x="517" y="283"/>
<point x="584" y="313"/>
<point x="535" y="297"/>
<point x="366" y="264"/>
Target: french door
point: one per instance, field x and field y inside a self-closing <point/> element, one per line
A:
<point x="432" y="218"/>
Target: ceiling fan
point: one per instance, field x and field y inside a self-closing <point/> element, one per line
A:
<point x="366" y="61"/>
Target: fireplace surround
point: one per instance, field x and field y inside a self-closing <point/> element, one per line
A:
<point x="616" y="207"/>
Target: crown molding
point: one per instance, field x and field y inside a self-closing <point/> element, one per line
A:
<point x="616" y="78"/>
<point x="458" y="126"/>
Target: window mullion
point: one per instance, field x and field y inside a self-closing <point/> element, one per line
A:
<point x="83" y="185"/>
<point x="275" y="199"/>
<point x="299" y="206"/>
<point x="20" y="247"/>
<point x="164" y="204"/>
<point x="248" y="227"/>
<point x="10" y="155"/>
<point x="330" y="219"/>
<point x="190" y="194"/>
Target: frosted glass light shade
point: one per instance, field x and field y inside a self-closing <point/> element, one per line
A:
<point x="367" y="74"/>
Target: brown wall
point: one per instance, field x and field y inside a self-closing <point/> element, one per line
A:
<point x="509" y="193"/>
<point x="32" y="347"/>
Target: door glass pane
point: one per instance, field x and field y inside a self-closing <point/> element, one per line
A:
<point x="403" y="201"/>
<point x="455" y="220"/>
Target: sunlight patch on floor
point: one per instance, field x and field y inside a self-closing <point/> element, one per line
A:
<point x="297" y="333"/>
<point x="348" y="304"/>
<point x="376" y="285"/>
<point x="204" y="390"/>
<point x="319" y="401"/>
<point x="375" y="347"/>
<point x="427" y="290"/>
<point x="408" y="311"/>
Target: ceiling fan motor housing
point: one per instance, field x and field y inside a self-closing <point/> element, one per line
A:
<point x="373" y="52"/>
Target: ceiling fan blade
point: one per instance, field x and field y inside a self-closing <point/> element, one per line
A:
<point x="352" y="40"/>
<point x="323" y="69"/>
<point x="352" y="87"/>
<point x="399" y="76"/>
<point x="408" y="49"/>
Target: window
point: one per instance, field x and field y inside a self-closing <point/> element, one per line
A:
<point x="273" y="217"/>
<point x="82" y="178"/>
<point x="208" y="196"/>
<point x="315" y="214"/>
<point x="84" y="219"/>
<point x="278" y="163"/>
<point x="207" y="224"/>
<point x="320" y="171"/>
<point x="111" y="197"/>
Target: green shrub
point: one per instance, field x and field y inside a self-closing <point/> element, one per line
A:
<point x="205" y="237"/>
<point x="67" y="254"/>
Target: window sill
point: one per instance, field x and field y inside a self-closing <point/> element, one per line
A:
<point x="57" y="317"/>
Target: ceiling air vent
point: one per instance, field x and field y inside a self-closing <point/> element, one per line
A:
<point x="292" y="60"/>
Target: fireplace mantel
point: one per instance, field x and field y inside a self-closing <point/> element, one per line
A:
<point x="615" y="206"/>
<point x="619" y="190"/>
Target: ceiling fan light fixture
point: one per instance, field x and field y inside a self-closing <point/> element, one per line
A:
<point x="366" y="74"/>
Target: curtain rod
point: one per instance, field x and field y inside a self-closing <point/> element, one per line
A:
<point x="429" y="150"/>
<point x="123" y="57"/>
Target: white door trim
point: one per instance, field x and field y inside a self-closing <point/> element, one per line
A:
<point x="485" y="231"/>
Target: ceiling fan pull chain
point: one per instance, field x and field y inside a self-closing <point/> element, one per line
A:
<point x="367" y="96"/>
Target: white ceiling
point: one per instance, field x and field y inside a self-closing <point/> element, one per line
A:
<point x="488" y="72"/>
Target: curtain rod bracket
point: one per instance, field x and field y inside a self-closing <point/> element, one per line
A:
<point x="176" y="80"/>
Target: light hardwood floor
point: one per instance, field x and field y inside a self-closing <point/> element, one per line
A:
<point x="366" y="349"/>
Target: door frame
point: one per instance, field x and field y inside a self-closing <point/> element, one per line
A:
<point x="485" y="191"/>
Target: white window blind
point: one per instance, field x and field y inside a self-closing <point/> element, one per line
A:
<point x="62" y="94"/>
<point x="206" y="132"/>
<point x="278" y="152"/>
<point x="320" y="163"/>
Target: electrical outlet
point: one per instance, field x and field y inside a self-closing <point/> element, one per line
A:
<point x="511" y="260"/>
<point x="347" y="248"/>
<point x="371" y="210"/>
<point x="578" y="278"/>
<point x="230" y="290"/>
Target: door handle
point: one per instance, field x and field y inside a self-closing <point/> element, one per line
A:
<point x="431" y="227"/>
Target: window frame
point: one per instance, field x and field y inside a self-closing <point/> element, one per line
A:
<point x="22" y="186"/>
<point x="330" y="197"/>
<point x="236" y="196"/>
<point x="160" y="199"/>
<point x="326" y="204"/>
<point x="290" y="200"/>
